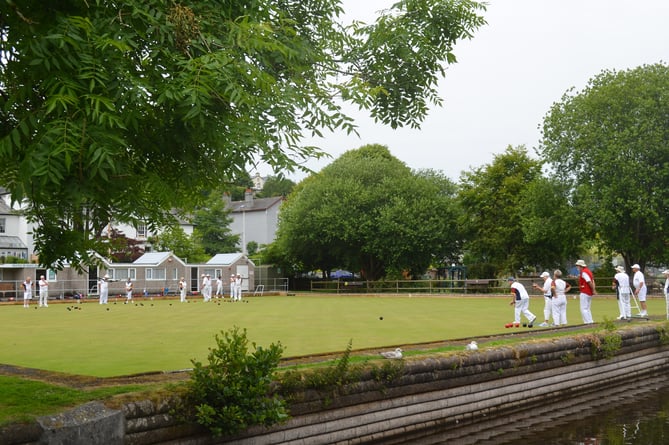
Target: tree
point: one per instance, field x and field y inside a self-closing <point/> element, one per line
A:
<point x="121" y="248"/>
<point x="609" y="145"/>
<point x="276" y="186"/>
<point x="369" y="212"/>
<point x="550" y="224"/>
<point x="126" y="110"/>
<point x="490" y="198"/>
<point x="212" y="228"/>
<point x="175" y="240"/>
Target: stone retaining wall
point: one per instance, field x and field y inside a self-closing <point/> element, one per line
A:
<point x="452" y="392"/>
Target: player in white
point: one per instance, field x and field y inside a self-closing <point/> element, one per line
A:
<point x="559" y="288"/>
<point x="103" y="288"/>
<point x="548" y="298"/>
<point x="128" y="290"/>
<point x="182" y="289"/>
<point x="43" y="292"/>
<point x="27" y="292"/>
<point x="621" y="283"/>
<point x="521" y="301"/>
<point x="640" y="289"/>
<point x="238" y="287"/>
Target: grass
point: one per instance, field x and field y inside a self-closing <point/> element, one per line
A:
<point x="118" y="339"/>
<point x="165" y="335"/>
<point x="22" y="399"/>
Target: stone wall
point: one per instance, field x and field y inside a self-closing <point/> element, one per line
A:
<point x="454" y="392"/>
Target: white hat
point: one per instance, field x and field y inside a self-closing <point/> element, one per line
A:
<point x="636" y="266"/>
<point x="545" y="275"/>
<point x="106" y="276"/>
<point x="581" y="263"/>
<point x="666" y="272"/>
<point x="620" y="268"/>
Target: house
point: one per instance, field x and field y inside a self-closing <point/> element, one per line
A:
<point x="13" y="233"/>
<point x="154" y="273"/>
<point x="255" y="219"/>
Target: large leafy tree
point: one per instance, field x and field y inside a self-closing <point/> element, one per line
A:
<point x="550" y="224"/>
<point x="369" y="212"/>
<point x="609" y="145"/>
<point x="126" y="110"/>
<point x="491" y="221"/>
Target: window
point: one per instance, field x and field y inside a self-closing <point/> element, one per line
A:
<point x="51" y="275"/>
<point x="155" y="274"/>
<point x="141" y="230"/>
<point x="175" y="276"/>
<point x="122" y="274"/>
<point x="3" y="223"/>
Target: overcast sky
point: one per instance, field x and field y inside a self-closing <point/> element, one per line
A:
<point x="526" y="57"/>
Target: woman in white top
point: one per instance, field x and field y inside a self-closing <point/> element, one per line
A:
<point x="559" y="289"/>
<point x="621" y="282"/>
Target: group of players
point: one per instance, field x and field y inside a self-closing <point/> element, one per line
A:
<point x="555" y="298"/>
<point x="206" y="288"/>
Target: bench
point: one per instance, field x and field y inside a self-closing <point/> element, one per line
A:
<point x="7" y="288"/>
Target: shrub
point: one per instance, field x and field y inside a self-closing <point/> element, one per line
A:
<point x="233" y="391"/>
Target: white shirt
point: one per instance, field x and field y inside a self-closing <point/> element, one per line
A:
<point x="639" y="280"/>
<point x="547" y="287"/>
<point x="623" y="282"/>
<point x="560" y="287"/>
<point x="520" y="291"/>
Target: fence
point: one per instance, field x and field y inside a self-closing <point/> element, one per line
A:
<point x="475" y="286"/>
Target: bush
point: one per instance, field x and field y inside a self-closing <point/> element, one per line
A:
<point x="233" y="391"/>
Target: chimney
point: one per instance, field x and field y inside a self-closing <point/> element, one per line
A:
<point x="248" y="197"/>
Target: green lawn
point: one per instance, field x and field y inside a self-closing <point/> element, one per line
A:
<point x="120" y="339"/>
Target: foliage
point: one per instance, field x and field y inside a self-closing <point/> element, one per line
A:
<point x="10" y="259"/>
<point x="212" y="228"/>
<point x="233" y="391"/>
<point x="126" y="110"/>
<point x="121" y="248"/>
<point x="550" y="225"/>
<point x="369" y="212"/>
<point x="491" y="221"/>
<point x="175" y="240"/>
<point x="609" y="145"/>
<point x="276" y="186"/>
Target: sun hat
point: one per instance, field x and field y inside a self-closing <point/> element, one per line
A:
<point x="545" y="274"/>
<point x="581" y="263"/>
<point x="620" y="268"/>
<point x="665" y="272"/>
<point x="636" y="266"/>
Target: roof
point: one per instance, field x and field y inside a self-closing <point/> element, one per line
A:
<point x="5" y="209"/>
<point x="255" y="205"/>
<point x="152" y="258"/>
<point x="225" y="258"/>
<point x="12" y="242"/>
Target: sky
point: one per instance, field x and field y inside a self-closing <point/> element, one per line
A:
<point x="508" y="75"/>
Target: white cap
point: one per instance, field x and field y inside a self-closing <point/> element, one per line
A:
<point x="636" y="266"/>
<point x="545" y="275"/>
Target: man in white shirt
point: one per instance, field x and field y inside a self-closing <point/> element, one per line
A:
<point x="43" y="292"/>
<point x="621" y="282"/>
<point x="640" y="289"/>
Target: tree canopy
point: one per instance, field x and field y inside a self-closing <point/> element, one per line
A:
<point x="127" y="110"/>
<point x="609" y="146"/>
<point x="369" y="212"/>
<point x="491" y="219"/>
